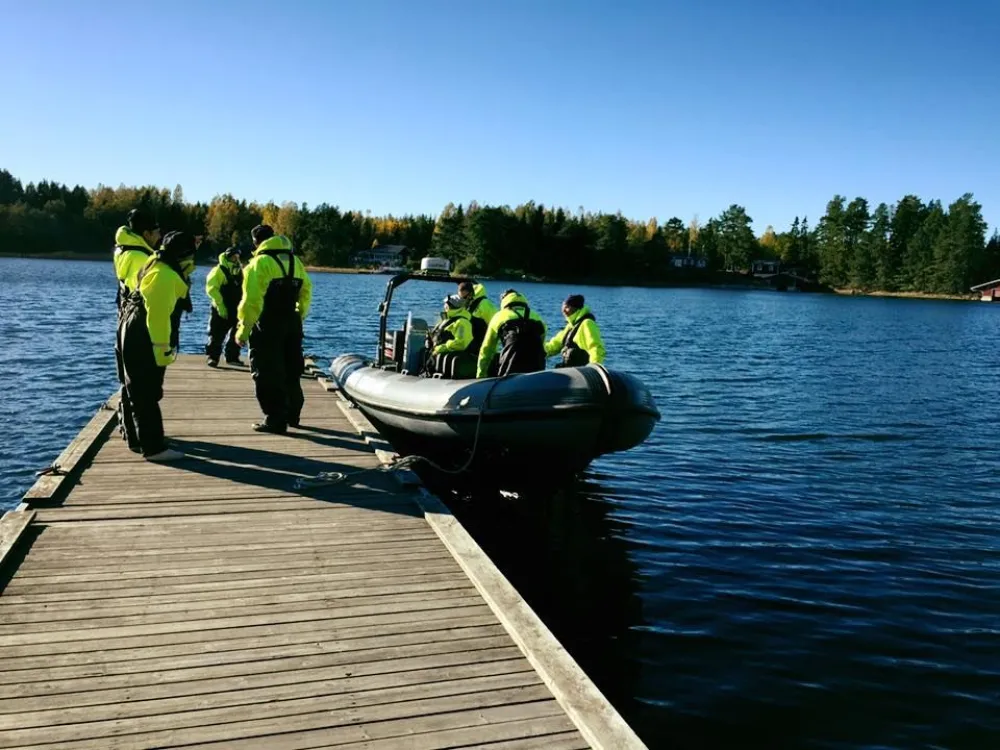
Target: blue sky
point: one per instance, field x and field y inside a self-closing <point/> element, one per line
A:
<point x="651" y="108"/>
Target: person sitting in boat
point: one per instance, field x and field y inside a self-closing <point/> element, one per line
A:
<point x="481" y="310"/>
<point x="449" y="342"/>
<point x="580" y="341"/>
<point x="521" y="333"/>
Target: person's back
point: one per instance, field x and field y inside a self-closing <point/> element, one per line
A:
<point x="481" y="311"/>
<point x="277" y="293"/>
<point x="520" y="333"/>
<point x="450" y="351"/>
<point x="133" y="248"/>
<point x="580" y="342"/>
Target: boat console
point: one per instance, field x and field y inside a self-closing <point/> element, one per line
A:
<point x="403" y="349"/>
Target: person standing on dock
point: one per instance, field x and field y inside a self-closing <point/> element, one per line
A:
<point x="134" y="246"/>
<point x="580" y="341"/>
<point x="147" y="331"/>
<point x="521" y="333"/>
<point x="224" y="286"/>
<point x="481" y="310"/>
<point x="277" y="292"/>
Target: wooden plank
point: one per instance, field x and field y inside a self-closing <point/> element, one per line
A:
<point x="165" y="605"/>
<point x="294" y="666"/>
<point x="233" y="618"/>
<point x="358" y="420"/>
<point x="593" y="714"/>
<point x="272" y="698"/>
<point x="244" y="643"/>
<point x="97" y="538"/>
<point x="232" y="545"/>
<point x="200" y="673"/>
<point x="370" y="596"/>
<point x="330" y="573"/>
<point x="343" y="713"/>
<point x="327" y="385"/>
<point x="13" y="524"/>
<point x="327" y="622"/>
<point x="532" y="734"/>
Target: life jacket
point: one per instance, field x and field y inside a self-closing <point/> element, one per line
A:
<point x="123" y="291"/>
<point x="522" y="339"/>
<point x="479" y="325"/>
<point x="573" y="355"/>
<point x="282" y="293"/>
<point x="441" y="333"/>
<point x="449" y="364"/>
<point x="134" y="312"/>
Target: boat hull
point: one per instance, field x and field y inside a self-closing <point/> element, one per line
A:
<point x="557" y="420"/>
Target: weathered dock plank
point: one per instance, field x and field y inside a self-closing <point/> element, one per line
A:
<point x="267" y="592"/>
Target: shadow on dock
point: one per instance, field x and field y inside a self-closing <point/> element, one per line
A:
<point x="272" y="470"/>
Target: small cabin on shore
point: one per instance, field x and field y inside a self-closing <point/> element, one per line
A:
<point x="765" y="267"/>
<point x="382" y="255"/>
<point x="679" y="260"/>
<point x="988" y="291"/>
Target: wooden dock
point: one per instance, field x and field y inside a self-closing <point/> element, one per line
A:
<point x="220" y="602"/>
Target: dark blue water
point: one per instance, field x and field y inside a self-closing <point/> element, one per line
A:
<point x="805" y="553"/>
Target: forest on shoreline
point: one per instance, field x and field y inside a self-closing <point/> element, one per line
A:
<point x="911" y="246"/>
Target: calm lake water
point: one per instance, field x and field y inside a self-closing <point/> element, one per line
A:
<point x="805" y="553"/>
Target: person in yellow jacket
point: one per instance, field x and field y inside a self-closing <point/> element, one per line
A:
<point x="224" y="287"/>
<point x="146" y="332"/>
<point x="277" y="292"/>
<point x="134" y="246"/>
<point x="480" y="309"/>
<point x="449" y="343"/>
<point x="521" y="333"/>
<point x="580" y="341"/>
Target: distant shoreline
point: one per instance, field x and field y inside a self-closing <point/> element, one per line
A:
<point x="735" y="283"/>
<point x="910" y="295"/>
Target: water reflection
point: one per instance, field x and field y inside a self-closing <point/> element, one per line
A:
<point x="569" y="559"/>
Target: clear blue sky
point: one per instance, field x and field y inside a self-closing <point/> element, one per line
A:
<point x="654" y="108"/>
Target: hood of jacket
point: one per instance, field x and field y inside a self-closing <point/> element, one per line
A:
<point x="277" y="242"/>
<point x="513" y="298"/>
<point x="572" y="319"/>
<point x="127" y="238"/>
<point x="231" y="265"/>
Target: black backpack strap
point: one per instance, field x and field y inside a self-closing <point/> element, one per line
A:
<point x="521" y="306"/>
<point x="288" y="273"/>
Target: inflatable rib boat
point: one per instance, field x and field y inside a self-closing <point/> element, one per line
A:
<point x="558" y="420"/>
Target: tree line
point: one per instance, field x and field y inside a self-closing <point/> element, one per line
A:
<point x="908" y="246"/>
